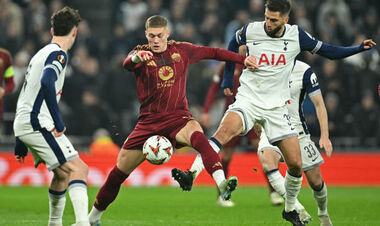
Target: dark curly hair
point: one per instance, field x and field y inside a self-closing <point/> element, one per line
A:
<point x="64" y="20"/>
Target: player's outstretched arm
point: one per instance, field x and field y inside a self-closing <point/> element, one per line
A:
<point x="324" y="141"/>
<point x="307" y="43"/>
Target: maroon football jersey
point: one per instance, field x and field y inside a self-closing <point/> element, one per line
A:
<point x="161" y="81"/>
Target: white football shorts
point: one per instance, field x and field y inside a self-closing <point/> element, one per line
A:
<point x="48" y="149"/>
<point x="311" y="157"/>
<point x="276" y="121"/>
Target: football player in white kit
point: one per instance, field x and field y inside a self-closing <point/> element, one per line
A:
<point x="303" y="81"/>
<point x="38" y="125"/>
<point x="263" y="92"/>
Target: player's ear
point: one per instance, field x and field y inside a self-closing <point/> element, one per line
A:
<point x="286" y="20"/>
<point x="75" y="31"/>
<point x="52" y="31"/>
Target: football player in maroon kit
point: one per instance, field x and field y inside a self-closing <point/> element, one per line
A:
<point x="160" y="71"/>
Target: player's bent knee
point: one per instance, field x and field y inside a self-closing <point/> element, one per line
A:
<point x="225" y="134"/>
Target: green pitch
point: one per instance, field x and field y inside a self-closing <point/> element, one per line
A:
<point x="171" y="206"/>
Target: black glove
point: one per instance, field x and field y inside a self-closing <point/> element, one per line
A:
<point x="20" y="148"/>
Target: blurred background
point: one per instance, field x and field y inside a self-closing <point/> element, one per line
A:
<point x="99" y="96"/>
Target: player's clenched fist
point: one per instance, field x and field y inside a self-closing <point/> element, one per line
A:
<point x="250" y="62"/>
<point x="367" y="44"/>
<point x="142" y="56"/>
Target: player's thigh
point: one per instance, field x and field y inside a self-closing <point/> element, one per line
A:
<point x="290" y="149"/>
<point x="129" y="159"/>
<point x="230" y="126"/>
<point x="48" y="149"/>
<point x="311" y="157"/>
<point x="184" y="135"/>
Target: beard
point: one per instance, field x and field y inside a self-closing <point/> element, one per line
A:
<point x="273" y="32"/>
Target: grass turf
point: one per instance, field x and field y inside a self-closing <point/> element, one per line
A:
<point x="171" y="206"/>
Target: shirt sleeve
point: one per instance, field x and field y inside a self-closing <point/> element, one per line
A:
<point x="237" y="40"/>
<point x="196" y="53"/>
<point x="128" y="64"/>
<point x="54" y="65"/>
<point x="310" y="83"/>
<point x="57" y="61"/>
<point x="308" y="43"/>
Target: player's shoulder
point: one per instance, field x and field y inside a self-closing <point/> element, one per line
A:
<point x="179" y="43"/>
<point x="144" y="47"/>
<point x="5" y="52"/>
<point x="301" y="66"/>
<point x="52" y="53"/>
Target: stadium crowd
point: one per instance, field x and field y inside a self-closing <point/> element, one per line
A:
<point x="99" y="93"/>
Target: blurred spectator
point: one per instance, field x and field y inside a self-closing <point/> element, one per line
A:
<point x="155" y="7"/>
<point x="133" y="13"/>
<point x="85" y="38"/>
<point x="117" y="43"/>
<point x="335" y="115"/>
<point x="301" y="19"/>
<point x="6" y="77"/>
<point x="256" y="10"/>
<point x="11" y="24"/>
<point x="334" y="10"/>
<point x="366" y="119"/>
<point x="103" y="145"/>
<point x="241" y="18"/>
<point x="119" y="92"/>
<point x="94" y="111"/>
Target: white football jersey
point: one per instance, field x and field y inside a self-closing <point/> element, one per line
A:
<point x="268" y="86"/>
<point x="32" y="112"/>
<point x="303" y="81"/>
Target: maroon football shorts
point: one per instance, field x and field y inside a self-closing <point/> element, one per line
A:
<point x="166" y="124"/>
<point x="251" y="135"/>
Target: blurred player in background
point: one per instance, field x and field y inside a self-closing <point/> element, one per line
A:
<point x="160" y="70"/>
<point x="303" y="82"/>
<point x="6" y="77"/>
<point x="39" y="127"/>
<point x="229" y="148"/>
<point x="264" y="91"/>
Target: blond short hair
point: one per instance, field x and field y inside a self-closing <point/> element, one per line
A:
<point x="156" y="21"/>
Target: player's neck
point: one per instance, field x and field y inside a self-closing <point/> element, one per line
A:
<point x="280" y="32"/>
<point x="62" y="41"/>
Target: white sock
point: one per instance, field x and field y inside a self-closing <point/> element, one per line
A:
<point x="277" y="181"/>
<point x="57" y="201"/>
<point x="79" y="198"/>
<point x="95" y="214"/>
<point x="292" y="188"/>
<point x="198" y="166"/>
<point x="218" y="176"/>
<point x="321" y="200"/>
